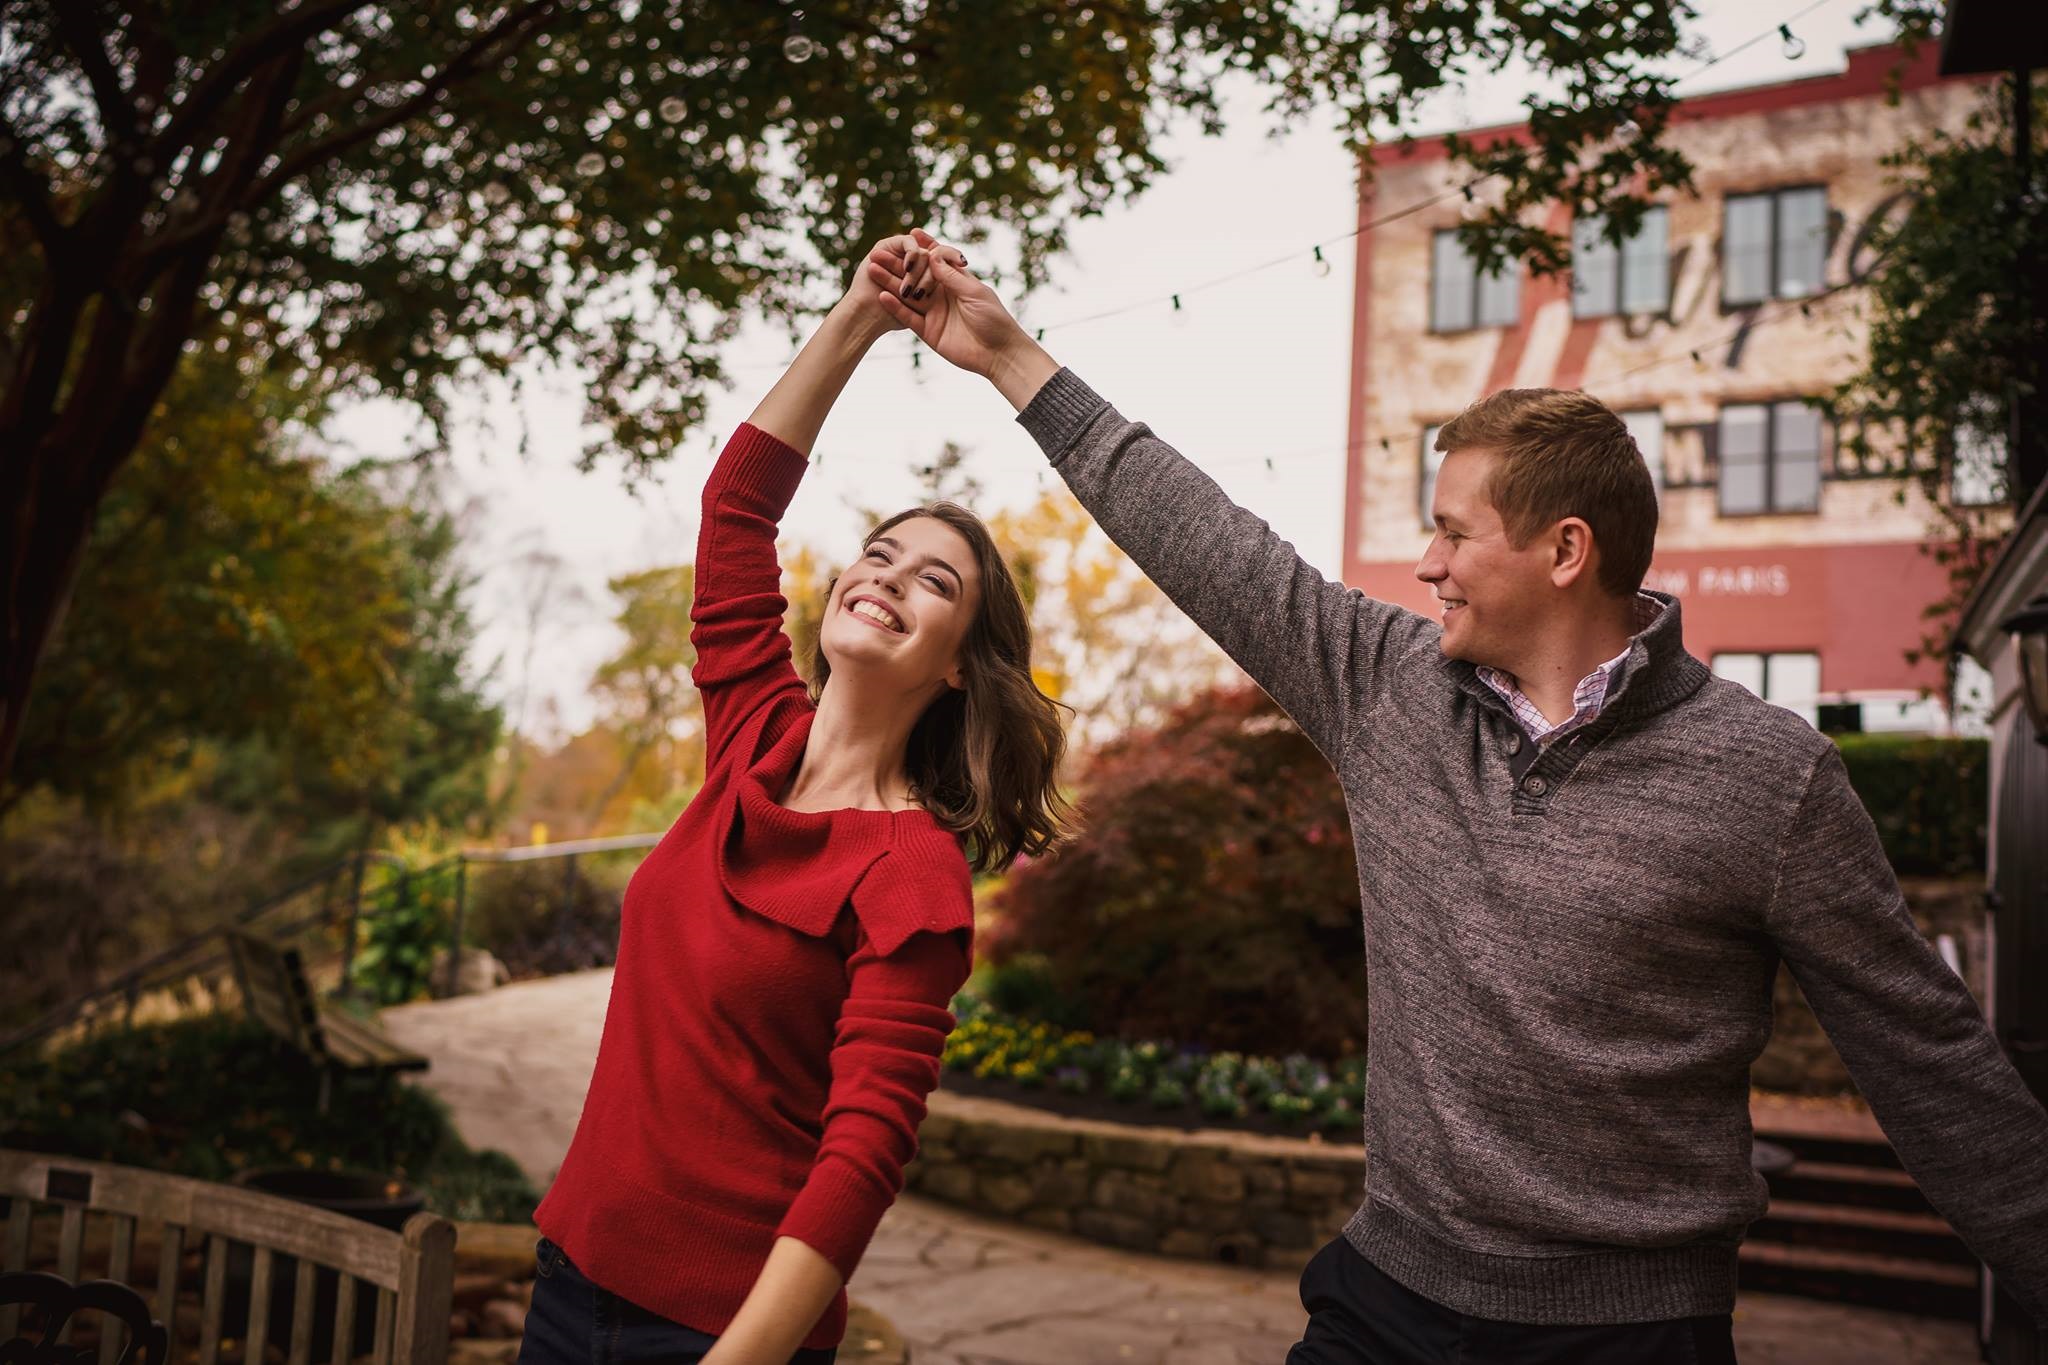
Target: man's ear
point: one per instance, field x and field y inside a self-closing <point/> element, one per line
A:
<point x="1572" y="551"/>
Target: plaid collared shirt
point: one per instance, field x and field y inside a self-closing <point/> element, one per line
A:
<point x="1587" y="698"/>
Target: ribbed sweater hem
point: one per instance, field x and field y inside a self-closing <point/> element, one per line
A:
<point x="1636" y="1284"/>
<point x="676" y="1259"/>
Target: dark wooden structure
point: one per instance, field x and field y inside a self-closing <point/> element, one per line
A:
<point x="274" y="990"/>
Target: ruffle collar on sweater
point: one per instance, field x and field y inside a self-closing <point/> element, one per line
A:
<point x="900" y="870"/>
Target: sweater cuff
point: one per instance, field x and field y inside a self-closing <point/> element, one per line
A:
<point x="756" y="460"/>
<point x="1059" y="412"/>
<point x="835" y="1214"/>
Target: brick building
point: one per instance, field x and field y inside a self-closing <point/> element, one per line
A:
<point x="1713" y="330"/>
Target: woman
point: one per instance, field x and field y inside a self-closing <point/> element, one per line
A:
<point x="787" y="954"/>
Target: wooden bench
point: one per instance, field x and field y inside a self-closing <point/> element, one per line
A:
<point x="155" y="1218"/>
<point x="276" y="993"/>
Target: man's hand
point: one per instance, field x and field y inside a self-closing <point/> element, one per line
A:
<point x="949" y="309"/>
<point x="897" y="257"/>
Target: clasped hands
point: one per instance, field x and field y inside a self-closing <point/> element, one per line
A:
<point x="916" y="282"/>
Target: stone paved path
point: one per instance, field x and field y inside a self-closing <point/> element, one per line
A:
<point x="965" y="1290"/>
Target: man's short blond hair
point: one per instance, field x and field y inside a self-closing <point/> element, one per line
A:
<point x="1564" y="454"/>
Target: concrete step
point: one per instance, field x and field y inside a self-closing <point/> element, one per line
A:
<point x="1887" y="1232"/>
<point x="1860" y="1186"/>
<point x="1834" y="1149"/>
<point x="1899" y="1283"/>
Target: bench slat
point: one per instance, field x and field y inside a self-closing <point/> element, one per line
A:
<point x="302" y="1315"/>
<point x="120" y="1257"/>
<point x="387" y="1324"/>
<point x="70" y="1251"/>
<point x="170" y="1256"/>
<point x="374" y="1047"/>
<point x="344" y="1320"/>
<point x="216" y="1293"/>
<point x="259" y="1306"/>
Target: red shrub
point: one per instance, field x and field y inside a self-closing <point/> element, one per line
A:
<point x="1211" y="897"/>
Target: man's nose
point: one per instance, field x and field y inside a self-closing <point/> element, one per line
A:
<point x="1427" y="568"/>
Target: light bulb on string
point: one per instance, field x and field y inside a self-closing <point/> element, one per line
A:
<point x="1794" y="48"/>
<point x="1179" y="317"/>
<point x="1320" y="266"/>
<point x="917" y="366"/>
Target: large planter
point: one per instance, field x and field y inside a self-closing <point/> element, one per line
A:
<point x="376" y="1199"/>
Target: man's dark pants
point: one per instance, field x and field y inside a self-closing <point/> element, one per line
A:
<point x="1360" y="1316"/>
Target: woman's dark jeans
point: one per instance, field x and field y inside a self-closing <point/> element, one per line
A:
<point x="573" y="1322"/>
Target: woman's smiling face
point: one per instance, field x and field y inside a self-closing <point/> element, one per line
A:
<point x="902" y="611"/>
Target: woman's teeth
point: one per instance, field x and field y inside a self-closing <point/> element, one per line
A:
<point x="874" y="612"/>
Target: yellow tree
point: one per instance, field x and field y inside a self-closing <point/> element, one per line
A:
<point x="1106" y="641"/>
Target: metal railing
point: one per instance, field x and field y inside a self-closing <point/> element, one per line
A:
<point x="204" y="952"/>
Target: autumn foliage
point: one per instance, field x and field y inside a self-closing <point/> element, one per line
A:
<point x="1211" y="897"/>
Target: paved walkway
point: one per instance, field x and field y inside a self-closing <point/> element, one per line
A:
<point x="965" y="1290"/>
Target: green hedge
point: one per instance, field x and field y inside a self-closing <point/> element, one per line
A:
<point x="1930" y="799"/>
<point x="216" y="1094"/>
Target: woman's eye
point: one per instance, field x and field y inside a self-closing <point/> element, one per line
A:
<point x="938" y="583"/>
<point x="878" y="556"/>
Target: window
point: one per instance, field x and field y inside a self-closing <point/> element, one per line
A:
<point x="1788" y="680"/>
<point x="1460" y="297"/>
<point x="1976" y="476"/>
<point x="1647" y="426"/>
<point x="1773" y="245"/>
<point x="1634" y="277"/>
<point x="1432" y="461"/>
<point x="1769" y="455"/>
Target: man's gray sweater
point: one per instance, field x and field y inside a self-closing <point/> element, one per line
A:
<point x="1570" y="951"/>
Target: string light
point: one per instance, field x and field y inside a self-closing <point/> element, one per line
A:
<point x="1794" y="48"/>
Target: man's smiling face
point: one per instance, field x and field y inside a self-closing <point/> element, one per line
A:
<point x="1490" y="592"/>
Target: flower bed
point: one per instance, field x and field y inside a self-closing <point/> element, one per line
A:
<point x="1076" y="1073"/>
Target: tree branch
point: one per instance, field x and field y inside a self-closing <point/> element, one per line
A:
<point x="116" y="113"/>
<point x="513" y="27"/>
<point x="32" y="192"/>
<point x="244" y="59"/>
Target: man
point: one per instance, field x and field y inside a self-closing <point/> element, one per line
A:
<point x="1581" y="857"/>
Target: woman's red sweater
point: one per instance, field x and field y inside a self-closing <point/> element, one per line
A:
<point x="783" y="981"/>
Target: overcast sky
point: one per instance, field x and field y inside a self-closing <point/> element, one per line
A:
<point x="1255" y="367"/>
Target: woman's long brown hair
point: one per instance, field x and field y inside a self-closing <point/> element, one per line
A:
<point x="984" y="758"/>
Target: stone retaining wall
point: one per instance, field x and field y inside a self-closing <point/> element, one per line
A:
<point x="1225" y="1196"/>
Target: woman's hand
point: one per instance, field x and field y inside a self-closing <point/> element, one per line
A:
<point x="894" y="258"/>
<point x="948" y="309"/>
<point x="961" y="318"/>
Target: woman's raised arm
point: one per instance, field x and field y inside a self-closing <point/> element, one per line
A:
<point x="737" y="607"/>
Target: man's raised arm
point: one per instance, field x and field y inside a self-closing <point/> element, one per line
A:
<point x="1325" y="652"/>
